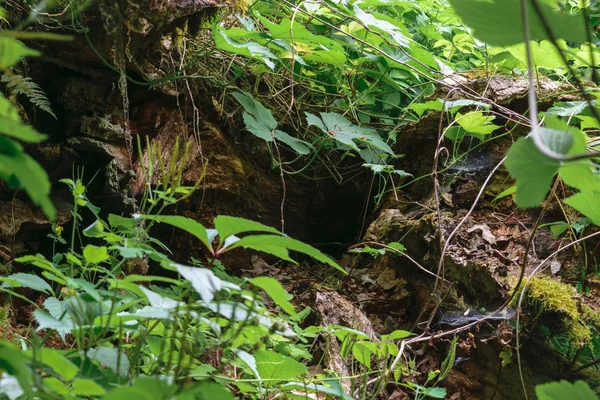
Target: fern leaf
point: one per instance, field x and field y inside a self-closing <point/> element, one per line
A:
<point x="18" y="84"/>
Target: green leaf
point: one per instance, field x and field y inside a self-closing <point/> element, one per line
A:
<point x="363" y="351"/>
<point x="587" y="203"/>
<point x="420" y="108"/>
<point x="271" y="365"/>
<point x="278" y="245"/>
<point x="28" y="281"/>
<point x="504" y="193"/>
<point x="12" y="126"/>
<point x="95" y="254"/>
<point x="311" y="387"/>
<point x="532" y="170"/>
<point x="299" y="146"/>
<point x="87" y="387"/>
<point x="56" y="386"/>
<point x="249" y="49"/>
<point x="276" y="292"/>
<point x="15" y="363"/>
<point x="567" y="108"/>
<point x="448" y="363"/>
<point x="258" y="119"/>
<point x="558" y="141"/>
<point x="397" y="335"/>
<point x="111" y="357"/>
<point x="342" y="130"/>
<point x="55" y="360"/>
<point x="228" y="226"/>
<point x="498" y="22"/>
<point x="544" y="54"/>
<point x="146" y="388"/>
<point x="204" y="281"/>
<point x="20" y="170"/>
<point x="477" y="124"/>
<point x="205" y="391"/>
<point x="187" y="224"/>
<point x="47" y="321"/>
<point x="565" y="390"/>
<point x="12" y="51"/>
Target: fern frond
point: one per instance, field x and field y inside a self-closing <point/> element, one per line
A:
<point x="18" y="84"/>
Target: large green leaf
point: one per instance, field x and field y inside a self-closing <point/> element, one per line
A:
<point x="204" y="281"/>
<point x="228" y="226"/>
<point x="12" y="51"/>
<point x="565" y="390"/>
<point x="11" y="124"/>
<point x="271" y="243"/>
<point x="276" y="292"/>
<point x="498" y="22"/>
<point x="55" y="360"/>
<point x="587" y="203"/>
<point x="248" y="49"/>
<point x="187" y="224"/>
<point x="112" y="357"/>
<point x="260" y="122"/>
<point x="30" y="281"/>
<point x="532" y="170"/>
<point x="274" y="366"/>
<point x="19" y="169"/>
<point x="340" y="129"/>
<point x="477" y="124"/>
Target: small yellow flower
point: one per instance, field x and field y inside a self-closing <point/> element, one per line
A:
<point x="59" y="229"/>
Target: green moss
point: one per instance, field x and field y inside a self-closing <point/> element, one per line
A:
<point x="553" y="296"/>
<point x="590" y="316"/>
<point x="549" y="296"/>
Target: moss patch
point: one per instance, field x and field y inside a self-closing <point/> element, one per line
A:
<point x="548" y="296"/>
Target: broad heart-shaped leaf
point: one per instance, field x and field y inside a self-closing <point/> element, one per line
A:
<point x="532" y="170"/>
<point x="271" y="365"/>
<point x="228" y="226"/>
<point x="477" y="124"/>
<point x="95" y="254"/>
<point x="565" y="390"/>
<point x="544" y="54"/>
<point x="587" y="203"/>
<point x="580" y="174"/>
<point x="30" y="281"/>
<point x="187" y="224"/>
<point x="339" y="128"/>
<point x="278" y="245"/>
<point x="498" y="22"/>
<point x="558" y="141"/>
<point x="276" y="292"/>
